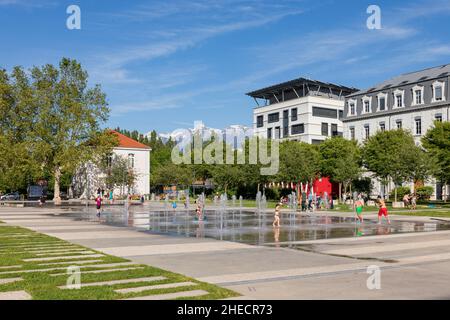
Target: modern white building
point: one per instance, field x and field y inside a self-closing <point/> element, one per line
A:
<point x="411" y="101"/>
<point x="301" y="109"/>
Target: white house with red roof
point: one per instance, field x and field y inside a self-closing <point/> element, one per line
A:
<point x="138" y="156"/>
<point x="89" y="177"/>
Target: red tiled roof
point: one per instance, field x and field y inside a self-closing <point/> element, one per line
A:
<point x="126" y="142"/>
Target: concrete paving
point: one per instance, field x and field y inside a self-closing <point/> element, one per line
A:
<point x="412" y="265"/>
<point x="156" y="287"/>
<point x="169" y="296"/>
<point x="113" y="282"/>
<point x="15" y="295"/>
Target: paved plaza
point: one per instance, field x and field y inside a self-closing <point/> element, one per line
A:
<point x="413" y="265"/>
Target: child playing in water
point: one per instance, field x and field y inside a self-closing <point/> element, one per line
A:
<point x="359" y="204"/>
<point x="276" y="221"/>
<point x="383" y="210"/>
<point x="199" y="212"/>
<point x="98" y="202"/>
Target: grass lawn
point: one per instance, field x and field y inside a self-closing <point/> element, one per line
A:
<point x="19" y="244"/>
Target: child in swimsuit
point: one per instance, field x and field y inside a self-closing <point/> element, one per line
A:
<point x="383" y="211"/>
<point x="276" y="221"/>
<point x="359" y="208"/>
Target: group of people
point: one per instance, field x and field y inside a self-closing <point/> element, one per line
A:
<point x="410" y="201"/>
<point x="314" y="202"/>
<point x="358" y="206"/>
<point x="382" y="209"/>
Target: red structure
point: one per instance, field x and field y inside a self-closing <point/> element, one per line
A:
<point x="323" y="184"/>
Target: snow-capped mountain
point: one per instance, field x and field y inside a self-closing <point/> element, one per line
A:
<point x="206" y="132"/>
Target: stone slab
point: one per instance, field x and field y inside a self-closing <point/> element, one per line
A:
<point x="175" y="295"/>
<point x="15" y="295"/>
<point x="113" y="282"/>
<point x="156" y="287"/>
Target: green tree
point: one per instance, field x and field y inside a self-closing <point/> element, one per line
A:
<point x="118" y="173"/>
<point x="437" y="142"/>
<point x="17" y="113"/>
<point x="391" y="155"/>
<point x="172" y="174"/>
<point x="299" y="162"/>
<point x="341" y="161"/>
<point x="53" y="120"/>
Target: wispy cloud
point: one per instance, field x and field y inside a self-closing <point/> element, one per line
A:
<point x="27" y="3"/>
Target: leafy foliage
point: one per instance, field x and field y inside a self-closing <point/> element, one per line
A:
<point x="437" y="142"/>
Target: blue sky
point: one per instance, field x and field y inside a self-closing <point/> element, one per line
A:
<point x="165" y="64"/>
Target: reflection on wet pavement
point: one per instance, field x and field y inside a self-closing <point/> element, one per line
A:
<point x="251" y="227"/>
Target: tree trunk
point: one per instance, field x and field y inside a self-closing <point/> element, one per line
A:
<point x="56" y="197"/>
<point x="340" y="192"/>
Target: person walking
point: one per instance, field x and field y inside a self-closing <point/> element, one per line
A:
<point x="413" y="201"/>
<point x="383" y="210"/>
<point x="406" y="200"/>
<point x="98" y="202"/>
<point x="310" y="201"/>
<point x="276" y="221"/>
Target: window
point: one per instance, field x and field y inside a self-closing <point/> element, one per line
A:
<point x="131" y="160"/>
<point x="438" y="117"/>
<point x="269" y="133"/>
<point x="294" y="114"/>
<point x="438" y="91"/>
<point x="274" y="117"/>
<point x="352" y="133"/>
<point x="418" y="94"/>
<point x="399" y="124"/>
<point x="398" y="100"/>
<point x="334" y="129"/>
<point x="324" y="112"/>
<point x="325" y="129"/>
<point x="367" y="131"/>
<point x="277" y="132"/>
<point x="418" y="126"/>
<point x="109" y="160"/>
<point x="259" y="121"/>
<point x="352" y="109"/>
<point x="382" y="101"/>
<point x="366" y="106"/>
<point x="382" y="104"/>
<point x="341" y="114"/>
<point x="285" y="123"/>
<point x="382" y="127"/>
<point x="438" y="94"/>
<point x="298" y="128"/>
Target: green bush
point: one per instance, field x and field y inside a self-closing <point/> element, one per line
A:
<point x="401" y="191"/>
<point x="424" y="193"/>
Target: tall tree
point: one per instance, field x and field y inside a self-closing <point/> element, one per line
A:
<point x="67" y="124"/>
<point x="390" y="155"/>
<point x="437" y="142"/>
<point x="299" y="162"/>
<point x="18" y="166"/>
<point x="341" y="161"/>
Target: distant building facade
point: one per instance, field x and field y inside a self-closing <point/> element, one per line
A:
<point x="138" y="156"/>
<point x="301" y="109"/>
<point x="89" y="177"/>
<point x="411" y="101"/>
